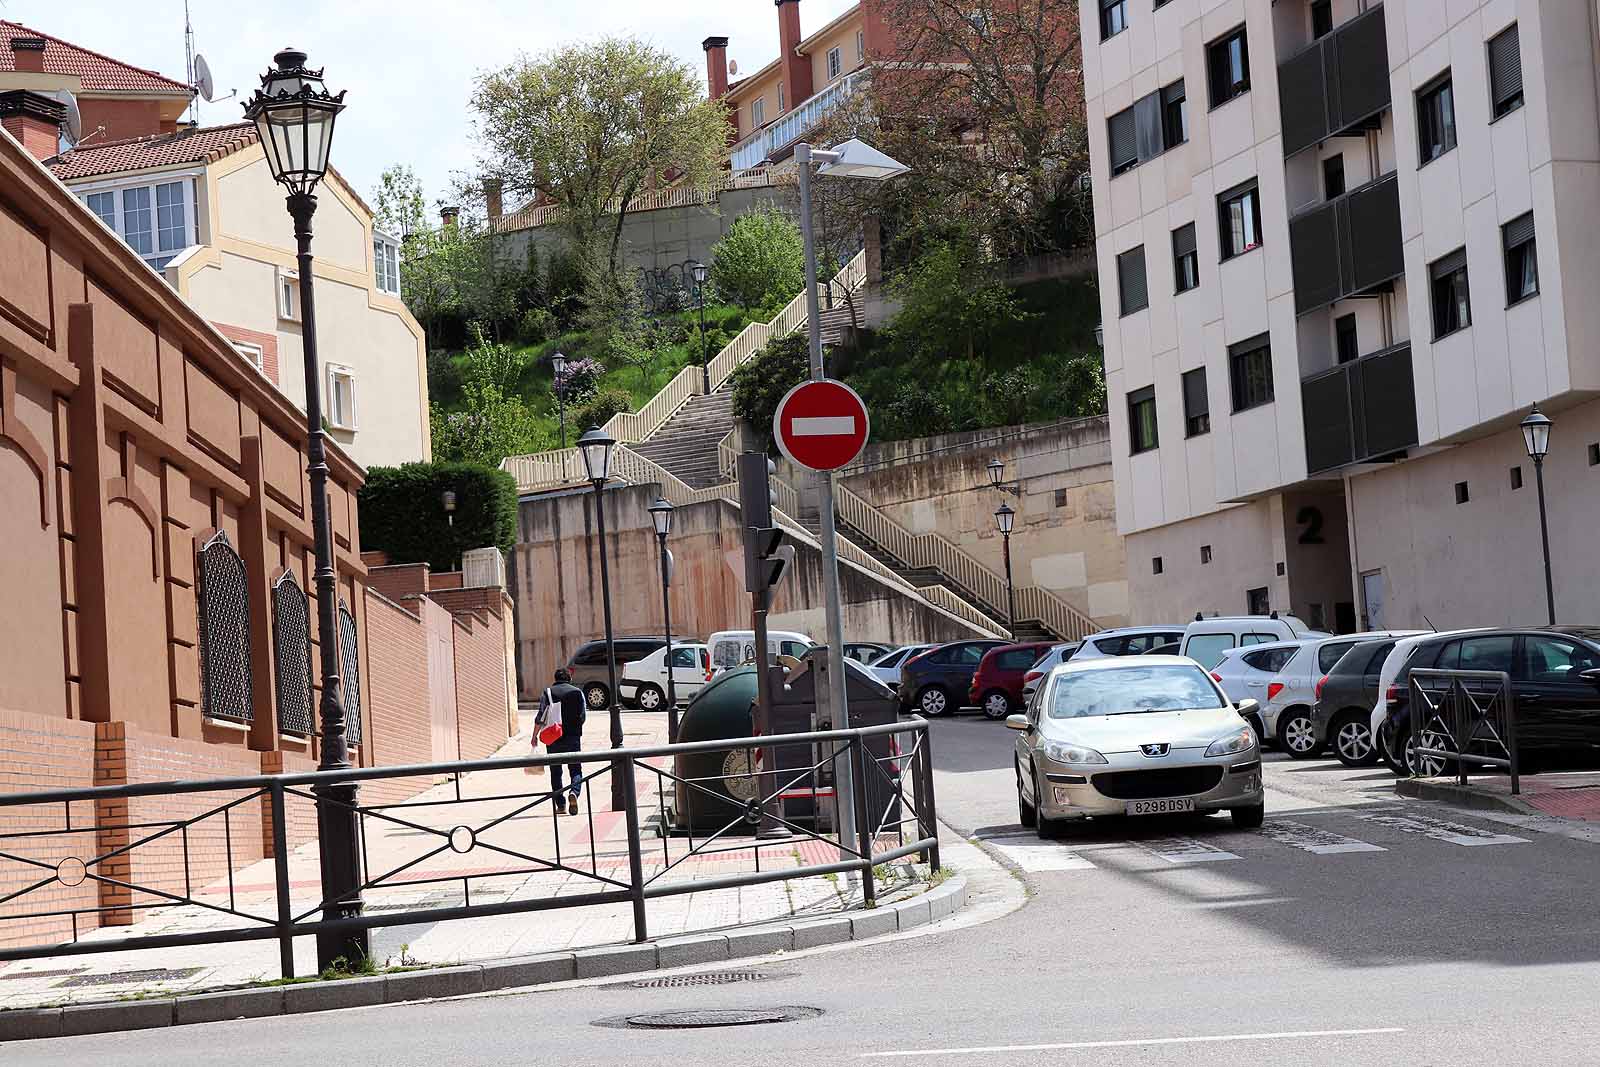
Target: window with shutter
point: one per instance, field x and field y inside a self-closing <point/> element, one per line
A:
<point x="1124" y="141"/>
<point x="1131" y="281"/>
<point x="1505" y="71"/>
<point x="1436" y="121"/>
<point x="1196" y="403"/>
<point x="1522" y="261"/>
<point x="1185" y="259"/>
<point x="1147" y="120"/>
<point x="1155" y="123"/>
<point x="1250" y="366"/>
<point x="1452" y="306"/>
<point x="1142" y="420"/>
<point x="1174" y="115"/>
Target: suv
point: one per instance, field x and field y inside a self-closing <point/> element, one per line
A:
<point x="997" y="685"/>
<point x="588" y="666"/>
<point x="1344" y="698"/>
<point x="1206" y="639"/>
<point x="1126" y="641"/>
<point x="935" y="682"/>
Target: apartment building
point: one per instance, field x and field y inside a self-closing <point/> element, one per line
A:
<point x="1345" y="248"/>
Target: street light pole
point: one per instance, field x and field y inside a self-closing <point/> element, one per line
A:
<point x="661" y="514"/>
<point x="294" y="116"/>
<point x="701" y="272"/>
<point x="1005" y="518"/>
<point x="1536" y="438"/>
<point x="596" y="446"/>
<point x="558" y="368"/>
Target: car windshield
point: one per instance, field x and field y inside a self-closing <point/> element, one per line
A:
<point x="1131" y="690"/>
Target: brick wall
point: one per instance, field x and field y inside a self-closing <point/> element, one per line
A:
<point x="399" y="707"/>
<point x="481" y="683"/>
<point x="400" y="580"/>
<point x="39" y="753"/>
<point x="300" y="813"/>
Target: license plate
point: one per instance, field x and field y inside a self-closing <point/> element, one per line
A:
<point x="1160" y="807"/>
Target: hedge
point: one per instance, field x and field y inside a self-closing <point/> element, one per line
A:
<point x="402" y="512"/>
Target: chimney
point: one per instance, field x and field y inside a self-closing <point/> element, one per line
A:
<point x="28" y="54"/>
<point x="493" y="202"/>
<point x="716" y="66"/>
<point x="34" y="120"/>
<point x="796" y="67"/>
<point x="448" y="216"/>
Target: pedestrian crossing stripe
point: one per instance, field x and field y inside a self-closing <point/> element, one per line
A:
<point x="1440" y="829"/>
<point x="1184" y="850"/>
<point x="1033" y="854"/>
<point x="1314" y="839"/>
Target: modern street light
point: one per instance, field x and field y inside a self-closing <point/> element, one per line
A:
<point x="661" y="515"/>
<point x="701" y="272"/>
<point x="1005" y="518"/>
<point x="294" y="115"/>
<point x="558" y="369"/>
<point x="1536" y="438"/>
<point x="596" y="446"/>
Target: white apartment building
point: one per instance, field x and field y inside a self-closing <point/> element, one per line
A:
<point x="1344" y="248"/>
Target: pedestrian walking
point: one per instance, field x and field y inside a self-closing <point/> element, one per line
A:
<point x="568" y="698"/>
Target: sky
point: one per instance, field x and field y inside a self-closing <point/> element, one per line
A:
<point x="408" y="65"/>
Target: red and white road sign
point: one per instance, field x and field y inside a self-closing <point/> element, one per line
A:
<point x="822" y="425"/>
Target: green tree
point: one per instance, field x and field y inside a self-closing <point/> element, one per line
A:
<point x="760" y="383"/>
<point x="948" y="303"/>
<point x="760" y="261"/>
<point x="490" y="421"/>
<point x="401" y="209"/>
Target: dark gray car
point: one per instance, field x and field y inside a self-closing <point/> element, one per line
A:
<point x="588" y="666"/>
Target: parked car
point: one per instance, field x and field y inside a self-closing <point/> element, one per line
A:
<point x="730" y="648"/>
<point x="590" y="673"/>
<point x="1342" y="709"/>
<point x="886" y="668"/>
<point x="1125" y="641"/>
<point x="1207" y="638"/>
<point x="1392" y="663"/>
<point x="1246" y="671"/>
<point x="865" y="651"/>
<point x="1171" y="648"/>
<point x="997" y="683"/>
<point x="1043" y="666"/>
<point x="1292" y="693"/>
<point x="644" y="681"/>
<point x="1146" y="736"/>
<point x="938" y="680"/>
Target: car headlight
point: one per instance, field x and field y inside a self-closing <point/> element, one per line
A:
<point x="1241" y="740"/>
<point x="1067" y="752"/>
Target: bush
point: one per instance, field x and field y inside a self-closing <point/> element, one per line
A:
<point x="402" y="514"/>
<point x="761" y="259"/>
<point x="761" y="382"/>
<point x="536" y="326"/>
<point x="601" y="406"/>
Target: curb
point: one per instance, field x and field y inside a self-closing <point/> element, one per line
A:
<point x="511" y="973"/>
<point x="1463" y="796"/>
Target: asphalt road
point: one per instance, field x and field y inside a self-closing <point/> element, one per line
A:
<point x="1353" y="929"/>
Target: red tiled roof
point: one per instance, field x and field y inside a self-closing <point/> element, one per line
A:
<point x="97" y="73"/>
<point x="201" y="145"/>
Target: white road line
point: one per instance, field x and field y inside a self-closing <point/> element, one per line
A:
<point x="823" y="425"/>
<point x="1285" y="1035"/>
<point x="1454" y="833"/>
<point x="1314" y="839"/>
<point x="1184" y="850"/>
<point x="1035" y="855"/>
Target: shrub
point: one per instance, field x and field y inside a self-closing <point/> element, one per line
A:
<point x="581" y="378"/>
<point x="761" y="259"/>
<point x="761" y="382"/>
<point x="402" y="514"/>
<point x="598" y="408"/>
<point x="537" y="325"/>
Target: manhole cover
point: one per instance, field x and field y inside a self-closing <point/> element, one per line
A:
<point x="704" y="1017"/>
<point x="678" y="981"/>
<point x="128" y="977"/>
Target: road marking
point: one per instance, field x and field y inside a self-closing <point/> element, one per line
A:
<point x="1035" y="855"/>
<point x="1284" y="1035"/>
<point x="1184" y="850"/>
<point x="1454" y="833"/>
<point x="823" y="425"/>
<point x="1314" y="839"/>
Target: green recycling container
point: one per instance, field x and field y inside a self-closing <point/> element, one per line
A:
<point x="721" y="710"/>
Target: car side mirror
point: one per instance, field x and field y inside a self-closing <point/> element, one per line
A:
<point x="1247" y="705"/>
<point x="1017" y="722"/>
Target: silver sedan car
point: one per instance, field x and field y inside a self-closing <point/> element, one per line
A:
<point x="1153" y="735"/>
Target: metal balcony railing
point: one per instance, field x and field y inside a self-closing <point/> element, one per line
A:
<point x="764" y="143"/>
<point x="1361" y="410"/>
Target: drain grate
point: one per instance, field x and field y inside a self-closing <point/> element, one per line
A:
<point x="160" y="974"/>
<point x="42" y="974"/>
<point x="679" y="981"/>
<point x="713" y="1017"/>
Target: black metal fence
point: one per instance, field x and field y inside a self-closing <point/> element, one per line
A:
<point x="1463" y="719"/>
<point x="765" y="808"/>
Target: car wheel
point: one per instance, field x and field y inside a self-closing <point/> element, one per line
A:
<point x="1026" y="813"/>
<point x="1295" y="734"/>
<point x="996" y="704"/>
<point x="650" y="698"/>
<point x="1352" y="740"/>
<point x="1425" y="766"/>
<point x="933" y="701"/>
<point x="596" y="696"/>
<point x="1248" y="818"/>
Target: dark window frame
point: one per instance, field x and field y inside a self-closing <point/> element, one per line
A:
<point x="1245" y="192"/>
<point x="1221" y="46"/>
<point x="1146" y="128"/>
<point x="1185" y="258"/>
<point x="1340" y="353"/>
<point x="1137" y="443"/>
<point x="1106" y="7"/>
<point x="1319" y="27"/>
<point x="1196" y="422"/>
<point x="1446" y="269"/>
<point x="1248" y="388"/>
<point x="1440" y="89"/>
<point x="1519" y="237"/>
<point x="1131" y="300"/>
<point x="1328" y="192"/>
<point x="1503" y="99"/>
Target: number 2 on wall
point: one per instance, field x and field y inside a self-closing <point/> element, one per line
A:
<point x="1311" y="518"/>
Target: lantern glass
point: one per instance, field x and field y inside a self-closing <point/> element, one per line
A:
<point x="661" y="515"/>
<point x="294" y="116"/>
<point x="1536" y="433"/>
<point x="1005" y="518"/>
<point x="596" y="446"/>
<point x="997" y="471"/>
<point x="448" y="499"/>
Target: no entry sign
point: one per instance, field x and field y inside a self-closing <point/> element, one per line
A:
<point x="821" y="425"/>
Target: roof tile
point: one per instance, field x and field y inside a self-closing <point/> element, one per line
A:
<point x="97" y="73"/>
<point x="205" y="144"/>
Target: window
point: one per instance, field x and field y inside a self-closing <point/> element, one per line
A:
<point x="1142" y="419"/>
<point x="1113" y="17"/>
<point x="1344" y="339"/>
<point x="288" y="296"/>
<point x="1452" y="307"/>
<point x="104" y="205"/>
<point x="1257" y="602"/>
<point x="1332" y="653"/>
<point x="1207" y="649"/>
<point x="1270" y="660"/>
<point x="1185" y="259"/>
<point x="1156" y="123"/>
<point x="1017" y="659"/>
<point x="1228" y="64"/>
<point x="758" y="113"/>
<point x="835" y="63"/>
<point x="1505" y="71"/>
<point x="1321" y="19"/>
<point x="1174" y="115"/>
<point x="1333" y="177"/>
<point x="250" y="352"/>
<point x="222" y="595"/>
<point x="1239" y="219"/>
<point x="1155" y="565"/>
<point x="1250" y="368"/>
<point x="1135" y="293"/>
<point x="1436" y="121"/>
<point x="1516" y="478"/>
<point x="1463" y="494"/>
<point x="1522" y="260"/>
<point x="1594" y="455"/>
<point x="341" y="397"/>
<point x="1061" y="498"/>
<point x="1486" y="653"/>
<point x="154" y="220"/>
<point x="136" y="228"/>
<point x="1547" y="659"/>
<point x="782" y="107"/>
<point x="386" y="264"/>
<point x="1205" y="555"/>
<point x="685" y="657"/>
<point x="1196" y="403"/>
<point x="861" y="46"/>
<point x="170" y="232"/>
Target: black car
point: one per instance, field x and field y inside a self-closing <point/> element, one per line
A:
<point x="939" y="680"/>
<point x="1555" y="682"/>
<point x="1342" y="713"/>
<point x="588" y="666"/>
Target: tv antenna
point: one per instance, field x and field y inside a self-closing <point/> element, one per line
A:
<point x="200" y="78"/>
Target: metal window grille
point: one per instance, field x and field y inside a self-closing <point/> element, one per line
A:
<point x="291" y="641"/>
<point x="223" y="602"/>
<point x="350" y="662"/>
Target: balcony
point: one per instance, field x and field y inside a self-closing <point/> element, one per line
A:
<point x="767" y="142"/>
<point x="1347" y="246"/>
<point x="1337" y="85"/>
<point x="1360" y="411"/>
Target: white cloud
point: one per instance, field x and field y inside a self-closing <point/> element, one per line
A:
<point x="408" y="64"/>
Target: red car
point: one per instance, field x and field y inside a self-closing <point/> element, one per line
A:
<point x="997" y="685"/>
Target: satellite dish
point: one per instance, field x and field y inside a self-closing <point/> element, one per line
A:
<point x="733" y="66"/>
<point x="202" y="79"/>
<point x="74" y="118"/>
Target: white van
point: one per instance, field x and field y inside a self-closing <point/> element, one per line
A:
<point x="730" y="648"/>
<point x="1206" y="639"/>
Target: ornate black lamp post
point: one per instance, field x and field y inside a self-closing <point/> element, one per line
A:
<point x="294" y="114"/>
<point x="1536" y="437"/>
<point x="558" y="368"/>
<point x="701" y="272"/>
<point x="1005" y="518"/>
<point x="596" y="446"/>
<point x="661" y="515"/>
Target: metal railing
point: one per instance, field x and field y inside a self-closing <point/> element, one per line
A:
<point x="470" y="839"/>
<point x="1462" y="719"/>
<point x="792" y="125"/>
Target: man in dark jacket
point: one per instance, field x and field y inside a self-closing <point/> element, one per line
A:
<point x="573" y="712"/>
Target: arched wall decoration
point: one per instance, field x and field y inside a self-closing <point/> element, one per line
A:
<point x="12" y="429"/>
<point x="222" y="598"/>
<point x="291" y="650"/>
<point x="123" y="488"/>
<point x="350" y="667"/>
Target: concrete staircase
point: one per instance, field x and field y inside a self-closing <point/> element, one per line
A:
<point x="687" y="444"/>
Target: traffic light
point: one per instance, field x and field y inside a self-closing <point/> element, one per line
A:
<point x="766" y="556"/>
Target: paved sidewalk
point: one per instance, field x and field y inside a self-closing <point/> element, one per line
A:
<point x="419" y="849"/>
<point x="1565" y="795"/>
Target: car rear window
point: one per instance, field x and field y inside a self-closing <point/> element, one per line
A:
<point x="1132" y="690"/>
<point x="1016" y="659"/>
<point x="1332" y="653"/>
<point x="1271" y="660"/>
<point x="1207" y="649"/>
<point x="590" y="655"/>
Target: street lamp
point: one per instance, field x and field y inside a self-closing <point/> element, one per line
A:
<point x="294" y="115"/>
<point x="661" y="515"/>
<point x="701" y="272"/>
<point x="596" y="446"/>
<point x="558" y="368"/>
<point x="1536" y="438"/>
<point x="1005" y="518"/>
<point x="448" y="500"/>
<point x="997" y="472"/>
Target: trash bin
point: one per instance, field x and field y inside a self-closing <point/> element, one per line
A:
<point x="720" y="710"/>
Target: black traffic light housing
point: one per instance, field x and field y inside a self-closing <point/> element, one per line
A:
<point x="765" y="557"/>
